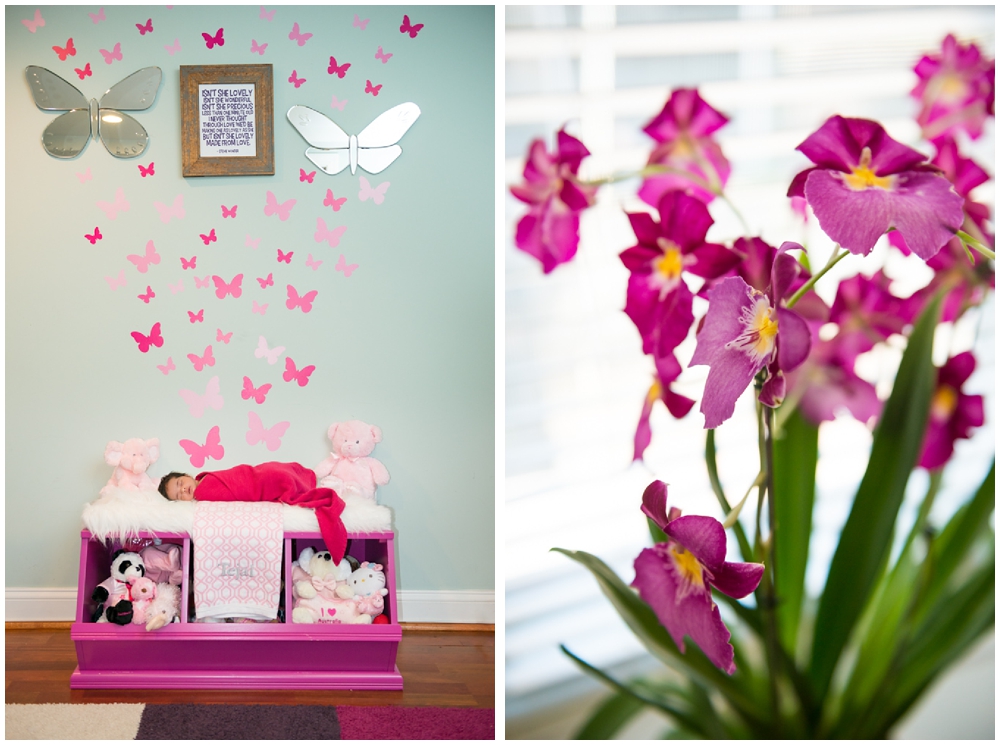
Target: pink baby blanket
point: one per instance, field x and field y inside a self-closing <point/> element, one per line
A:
<point x="237" y="559"/>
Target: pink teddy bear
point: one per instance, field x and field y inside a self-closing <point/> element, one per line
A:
<point x="131" y="459"/>
<point x="349" y="470"/>
<point x="143" y="594"/>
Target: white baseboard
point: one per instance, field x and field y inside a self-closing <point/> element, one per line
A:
<point x="415" y="606"/>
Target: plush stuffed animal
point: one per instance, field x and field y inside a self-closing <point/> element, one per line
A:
<point x="131" y="459"/>
<point x="113" y="596"/>
<point x="349" y="470"/>
<point x="368" y="582"/>
<point x="165" y="607"/>
<point x="143" y="593"/>
<point x="321" y="592"/>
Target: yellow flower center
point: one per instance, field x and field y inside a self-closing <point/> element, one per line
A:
<point x="760" y="328"/>
<point x="949" y="89"/>
<point x="690" y="572"/>
<point x="863" y="177"/>
<point x="944" y="402"/>
<point x="672" y="262"/>
<point x="655" y="391"/>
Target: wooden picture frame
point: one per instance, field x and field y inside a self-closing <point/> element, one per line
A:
<point x="223" y="142"/>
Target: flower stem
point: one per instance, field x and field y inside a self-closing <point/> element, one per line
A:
<point x="974" y="244"/>
<point x="836" y="256"/>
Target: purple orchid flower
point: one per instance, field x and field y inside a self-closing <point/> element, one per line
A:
<point x="826" y="384"/>
<point x="668" y="369"/>
<point x="675" y="578"/>
<point x="658" y="300"/>
<point x="953" y="413"/>
<point x="682" y="130"/>
<point x="865" y="183"/>
<point x="956" y="90"/>
<point x="745" y="331"/>
<point x="867" y="313"/>
<point x="550" y="230"/>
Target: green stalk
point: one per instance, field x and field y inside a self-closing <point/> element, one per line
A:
<point x="836" y="256"/>
<point x="971" y="242"/>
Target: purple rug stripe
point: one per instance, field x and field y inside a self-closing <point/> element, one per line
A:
<point x="415" y="723"/>
<point x="237" y="722"/>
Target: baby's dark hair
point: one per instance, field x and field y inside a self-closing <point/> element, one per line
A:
<point x="162" y="488"/>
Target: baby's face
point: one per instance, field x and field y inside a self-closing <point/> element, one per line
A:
<point x="181" y="489"/>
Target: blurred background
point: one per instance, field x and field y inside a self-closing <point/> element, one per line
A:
<point x="575" y="373"/>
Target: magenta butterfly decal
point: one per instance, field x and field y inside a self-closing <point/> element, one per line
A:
<point x="168" y="211"/>
<point x="213" y="41"/>
<point x="375" y="193"/>
<point x="206" y="360"/>
<point x="380" y="55"/>
<point x="111" y="209"/>
<point x="282" y="210"/>
<point x="270" y="437"/>
<point x="234" y="288"/>
<point x="145" y="28"/>
<point x="258" y="48"/>
<point x="358" y="23"/>
<point x="165" y="369"/>
<point x="295" y="80"/>
<point x="69" y="51"/>
<point x="173" y="49"/>
<point x="97" y="17"/>
<point x="343" y="266"/>
<point x="331" y="202"/>
<point x="303" y="176"/>
<point x="149" y="295"/>
<point x="174" y="289"/>
<point x="211" y="449"/>
<point x="201" y="282"/>
<point x="118" y="281"/>
<point x="115" y="54"/>
<point x="262" y="352"/>
<point x="408" y="28"/>
<point x="198" y="317"/>
<point x="86" y="72"/>
<point x="330" y="236"/>
<point x="312" y="263"/>
<point x="268" y="282"/>
<point x="147" y="170"/>
<point x="305" y="302"/>
<point x="228" y="212"/>
<point x="373" y="89"/>
<point x="95" y="237"/>
<point x="33" y="24"/>
<point x="297" y="36"/>
<point x="266" y="15"/>
<point x="210" y="238"/>
<point x="339" y="105"/>
<point x="262" y="309"/>
<point x="142" y="262"/>
<point x="299" y="376"/>
<point x="155" y="338"/>
<point x="224" y="338"/>
<point x="339" y="70"/>
<point x="85" y="176"/>
<point x="208" y="400"/>
<point x="285" y="257"/>
<point x="257" y="394"/>
<point x="189" y="263"/>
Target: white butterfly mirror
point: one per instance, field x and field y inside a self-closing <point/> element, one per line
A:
<point x="374" y="148"/>
<point x="67" y="136"/>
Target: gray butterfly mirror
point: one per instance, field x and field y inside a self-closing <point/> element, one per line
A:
<point x="67" y="136"/>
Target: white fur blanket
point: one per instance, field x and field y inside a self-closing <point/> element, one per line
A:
<point x="119" y="513"/>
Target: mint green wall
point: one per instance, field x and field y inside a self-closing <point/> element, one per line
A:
<point x="406" y="342"/>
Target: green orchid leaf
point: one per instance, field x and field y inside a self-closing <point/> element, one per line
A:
<point x="610" y="717"/>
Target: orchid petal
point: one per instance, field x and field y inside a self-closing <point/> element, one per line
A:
<point x="737" y="579"/>
<point x="702" y="536"/>
<point x="654" y="503"/>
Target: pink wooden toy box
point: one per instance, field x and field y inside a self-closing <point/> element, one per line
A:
<point x="232" y="655"/>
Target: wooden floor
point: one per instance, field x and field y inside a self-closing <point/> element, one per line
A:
<point x="441" y="666"/>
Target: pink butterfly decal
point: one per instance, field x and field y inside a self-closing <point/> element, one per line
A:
<point x="224" y="338"/>
<point x="85" y="176"/>
<point x="252" y="242"/>
<point x="189" y="263"/>
<point x="234" y="288"/>
<point x="331" y="202"/>
<point x="213" y="41"/>
<point x="142" y="262"/>
<point x="373" y="89"/>
<point x="69" y="51"/>
<point x="295" y="80"/>
<point x="95" y="237"/>
<point x="340" y="71"/>
<point x="165" y="369"/>
<point x="115" y="54"/>
<point x="34" y="23"/>
<point x="173" y="49"/>
<point x="258" y="48"/>
<point x="86" y="72"/>
<point x="339" y="105"/>
<point x="257" y="394"/>
<point x="408" y="28"/>
<point x="201" y="282"/>
<point x="303" y="176"/>
<point x="376" y="194"/>
<point x="297" y="37"/>
<point x="111" y="209"/>
<point x="282" y="210"/>
<point x="266" y="282"/>
<point x="118" y="281"/>
<point x="155" y="338"/>
<point x="145" y="28"/>
<point x="97" y="17"/>
<point x="209" y="400"/>
<point x="330" y="236"/>
<point x="305" y="302"/>
<point x="270" y="437"/>
<point x="200" y="363"/>
<point x="265" y="15"/>
<point x="262" y="309"/>
<point x="299" y="376"/>
<point x="343" y="266"/>
<point x="286" y="257"/>
<point x="174" y="289"/>
<point x="148" y="296"/>
<point x="198" y="317"/>
<point x="200" y="453"/>
<point x="313" y="264"/>
<point x="210" y="238"/>
<point x="174" y="210"/>
<point x="147" y="170"/>
<point x="358" y="23"/>
<point x="262" y="351"/>
<point x="228" y="212"/>
<point x="380" y="55"/>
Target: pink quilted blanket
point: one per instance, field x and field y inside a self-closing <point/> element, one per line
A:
<point x="237" y="559"/>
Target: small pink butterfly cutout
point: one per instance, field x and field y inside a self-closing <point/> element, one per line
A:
<point x="149" y="295"/>
<point x="258" y="48"/>
<point x="285" y="257"/>
<point x="147" y="170"/>
<point x="340" y="71"/>
<point x="213" y="41"/>
<point x="155" y="338"/>
<point x="330" y="236"/>
<point x="358" y="23"/>
<point x="329" y="201"/>
<point x="312" y="263"/>
<point x="266" y="15"/>
<point x="198" y="317"/>
<point x="69" y="51"/>
<point x="165" y="369"/>
<point x="145" y="28"/>
<point x="266" y="282"/>
<point x="85" y="176"/>
<point x="97" y="17"/>
<point x="373" y="89"/>
<point x="191" y="263"/>
<point x="206" y="360"/>
<point x="270" y="437"/>
<point x="174" y="289"/>
<point x="201" y="282"/>
<point x="343" y="266"/>
<point x="86" y="72"/>
<point x="33" y="24"/>
<point x="234" y="288"/>
<point x="197" y="403"/>
<point x="282" y="210"/>
<point x="303" y="176"/>
<point x="339" y="105"/>
<point x="210" y="238"/>
<point x="305" y="302"/>
<point x="376" y="193"/>
<point x="262" y="309"/>
<point x="408" y="28"/>
<point x="228" y="212"/>
<point x="200" y="453"/>
<point x="118" y="281"/>
<point x="173" y="49"/>
<point x="115" y="54"/>
<point x="142" y="262"/>
<point x="380" y="55"/>
<point x="95" y="237"/>
<point x="224" y="338"/>
<point x="252" y="242"/>
<point x="262" y="351"/>
<point x="298" y="37"/>
<point x="295" y="80"/>
<point x="111" y="209"/>
<point x="299" y="376"/>
<point x="174" y="210"/>
<point x="257" y="394"/>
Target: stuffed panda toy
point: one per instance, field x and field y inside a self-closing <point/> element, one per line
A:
<point x="113" y="595"/>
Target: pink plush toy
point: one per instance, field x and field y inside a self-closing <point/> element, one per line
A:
<point x="349" y="470"/>
<point x="321" y="592"/>
<point x="368" y="583"/>
<point x="131" y="459"/>
<point x="143" y="593"/>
